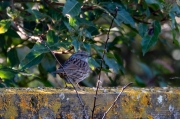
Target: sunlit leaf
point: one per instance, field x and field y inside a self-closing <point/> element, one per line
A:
<point x="7" y="73"/>
<point x="51" y="37"/>
<point x="4" y="25"/>
<point x="72" y="21"/>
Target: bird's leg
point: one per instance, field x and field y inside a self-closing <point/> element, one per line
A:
<point x="78" y="85"/>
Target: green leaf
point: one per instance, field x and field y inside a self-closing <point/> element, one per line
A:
<point x="175" y="41"/>
<point x="89" y="28"/>
<point x="36" y="54"/>
<point x="151" y="1"/>
<point x="154" y="2"/>
<point x="13" y="57"/>
<point x="120" y="62"/>
<point x="72" y="8"/>
<point x="4" y="26"/>
<point x="51" y="37"/>
<point x="172" y="15"/>
<point x="84" y="23"/>
<point x="110" y="55"/>
<point x="30" y="60"/>
<point x="140" y="81"/>
<point x="146" y="69"/>
<point x="40" y="48"/>
<point x="147" y="12"/>
<point x="142" y="28"/>
<point x="46" y="83"/>
<point x="87" y="46"/>
<point x="85" y="33"/>
<point x="7" y="73"/>
<point x="54" y="14"/>
<point x="36" y="14"/>
<point x="75" y="43"/>
<point x="42" y="72"/>
<point x="123" y="15"/>
<point x="11" y="33"/>
<point x="93" y="30"/>
<point x="67" y="26"/>
<point x="93" y="63"/>
<point x="48" y="62"/>
<point x="175" y="8"/>
<point x="112" y="64"/>
<point x="150" y="40"/>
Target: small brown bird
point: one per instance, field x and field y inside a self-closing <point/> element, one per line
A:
<point x="76" y="68"/>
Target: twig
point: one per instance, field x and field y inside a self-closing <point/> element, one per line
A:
<point x="105" y="49"/>
<point x="123" y="88"/>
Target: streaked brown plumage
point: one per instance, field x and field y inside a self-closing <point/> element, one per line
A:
<point x="76" y="68"/>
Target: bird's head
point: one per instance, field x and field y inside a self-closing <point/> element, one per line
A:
<point x="82" y="55"/>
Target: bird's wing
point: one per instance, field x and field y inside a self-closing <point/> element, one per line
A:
<point x="67" y="68"/>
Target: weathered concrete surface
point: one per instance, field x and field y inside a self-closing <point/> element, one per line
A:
<point x="50" y="103"/>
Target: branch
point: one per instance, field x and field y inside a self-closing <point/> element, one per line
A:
<point x="105" y="49"/>
<point x="22" y="33"/>
<point x="123" y="88"/>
